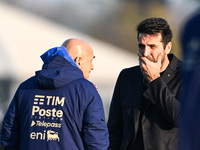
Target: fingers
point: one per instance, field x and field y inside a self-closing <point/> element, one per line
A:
<point x="142" y="59"/>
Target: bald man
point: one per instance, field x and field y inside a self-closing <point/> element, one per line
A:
<point x="58" y="108"/>
<point x="82" y="54"/>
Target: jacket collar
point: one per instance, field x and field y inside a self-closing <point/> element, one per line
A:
<point x="172" y="68"/>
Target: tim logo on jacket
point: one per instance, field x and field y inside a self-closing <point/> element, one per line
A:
<point x="46" y="114"/>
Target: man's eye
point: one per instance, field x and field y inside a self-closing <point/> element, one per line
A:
<point x="152" y="46"/>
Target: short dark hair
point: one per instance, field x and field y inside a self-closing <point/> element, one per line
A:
<point x="154" y="26"/>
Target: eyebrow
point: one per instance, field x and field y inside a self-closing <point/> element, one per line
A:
<point x="140" y="44"/>
<point x="152" y="45"/>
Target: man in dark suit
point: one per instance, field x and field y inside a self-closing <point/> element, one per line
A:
<point x="144" y="111"/>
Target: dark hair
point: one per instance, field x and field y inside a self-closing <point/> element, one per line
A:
<point x="154" y="26"/>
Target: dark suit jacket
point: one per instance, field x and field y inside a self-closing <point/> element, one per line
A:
<point x="161" y="116"/>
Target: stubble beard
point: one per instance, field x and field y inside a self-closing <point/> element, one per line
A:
<point x="152" y="59"/>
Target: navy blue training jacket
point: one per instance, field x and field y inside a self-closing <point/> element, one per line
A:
<point x="57" y="109"/>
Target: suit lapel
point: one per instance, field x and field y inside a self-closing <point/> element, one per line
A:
<point x="169" y="73"/>
<point x="137" y="101"/>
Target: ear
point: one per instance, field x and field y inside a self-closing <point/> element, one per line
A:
<point x="168" y="47"/>
<point x="78" y="60"/>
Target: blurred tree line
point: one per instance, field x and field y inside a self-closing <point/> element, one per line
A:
<point x="120" y="29"/>
<point x="115" y="25"/>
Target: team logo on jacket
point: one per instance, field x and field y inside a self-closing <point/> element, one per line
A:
<point x="52" y="112"/>
<point x="45" y="111"/>
<point x="45" y="124"/>
<point x="48" y="135"/>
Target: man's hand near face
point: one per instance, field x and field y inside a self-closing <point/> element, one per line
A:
<point x="150" y="70"/>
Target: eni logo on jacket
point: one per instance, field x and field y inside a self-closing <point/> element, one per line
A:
<point x="48" y="136"/>
<point x="52" y="112"/>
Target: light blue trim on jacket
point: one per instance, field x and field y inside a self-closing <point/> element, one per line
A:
<point x="62" y="51"/>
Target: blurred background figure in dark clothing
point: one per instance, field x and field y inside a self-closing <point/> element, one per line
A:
<point x="190" y="124"/>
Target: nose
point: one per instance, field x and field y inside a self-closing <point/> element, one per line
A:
<point x="145" y="51"/>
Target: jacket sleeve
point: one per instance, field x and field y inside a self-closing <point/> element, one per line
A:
<point x="10" y="132"/>
<point x="159" y="94"/>
<point x="115" y="122"/>
<point x="95" y="132"/>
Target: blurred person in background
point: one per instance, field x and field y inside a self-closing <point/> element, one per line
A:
<point x="145" y="107"/>
<point x="1" y="119"/>
<point x="58" y="108"/>
<point x="190" y="122"/>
